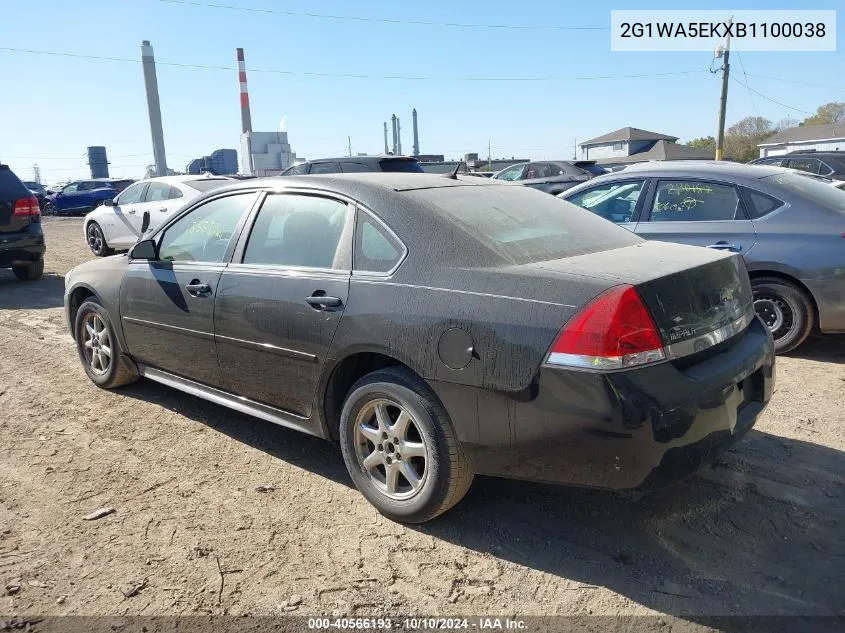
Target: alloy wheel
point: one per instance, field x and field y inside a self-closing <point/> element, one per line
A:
<point x="95" y="239"/>
<point x="390" y="449"/>
<point x="50" y="209"/>
<point x="96" y="343"/>
<point x="775" y="312"/>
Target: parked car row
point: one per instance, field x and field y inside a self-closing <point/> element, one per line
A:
<point x="81" y="196"/>
<point x="310" y="302"/>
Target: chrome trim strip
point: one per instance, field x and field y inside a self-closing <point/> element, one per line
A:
<point x="267" y="347"/>
<point x="170" y="328"/>
<point x="701" y="343"/>
<point x="238" y="403"/>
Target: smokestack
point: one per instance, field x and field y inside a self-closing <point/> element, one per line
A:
<point x="246" y="119"/>
<point x="393" y="119"/>
<point x="385" y="138"/>
<point x="416" y="133"/>
<point x="398" y="137"/>
<point x="153" y="107"/>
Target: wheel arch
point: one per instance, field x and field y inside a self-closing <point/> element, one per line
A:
<point x="344" y="372"/>
<point x="76" y="298"/>
<point x="759" y="273"/>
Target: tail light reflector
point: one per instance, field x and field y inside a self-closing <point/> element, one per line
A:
<point x="613" y="331"/>
<point x="27" y="206"/>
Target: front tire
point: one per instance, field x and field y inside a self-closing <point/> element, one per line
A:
<point x="97" y="241"/>
<point x="400" y="448"/>
<point x="98" y="347"/>
<point x="785" y="309"/>
<point x="49" y="209"/>
<point x="30" y="272"/>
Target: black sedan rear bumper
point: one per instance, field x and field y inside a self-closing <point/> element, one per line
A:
<point x="631" y="430"/>
<point x="24" y="247"/>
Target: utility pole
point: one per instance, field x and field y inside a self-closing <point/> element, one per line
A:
<point x="489" y="157"/>
<point x="575" y="149"/>
<point x="349" y="144"/>
<point x="723" y="102"/>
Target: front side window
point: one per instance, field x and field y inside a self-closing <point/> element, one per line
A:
<point x="542" y="170"/>
<point x="694" y="201"/>
<point x="132" y="194"/>
<point x="324" y="168"/>
<point x="71" y="188"/>
<point x="296" y="170"/>
<point x="511" y="173"/>
<point x="614" y="201"/>
<point x="297" y="230"/>
<point x="204" y="233"/>
<point x="375" y="249"/>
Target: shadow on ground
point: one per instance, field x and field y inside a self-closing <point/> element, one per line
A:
<point x="822" y="347"/>
<point x="47" y="292"/>
<point x="762" y="532"/>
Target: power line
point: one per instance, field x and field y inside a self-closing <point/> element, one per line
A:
<point x="783" y="105"/>
<point x="346" y="75"/>
<point x="744" y="74"/>
<point x="388" y="20"/>
<point x="793" y="81"/>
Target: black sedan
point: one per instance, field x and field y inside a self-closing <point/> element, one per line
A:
<point x="436" y="328"/>
<point x="553" y="176"/>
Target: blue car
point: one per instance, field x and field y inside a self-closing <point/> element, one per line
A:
<point x="82" y="196"/>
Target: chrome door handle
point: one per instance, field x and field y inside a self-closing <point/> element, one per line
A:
<point x="131" y="211"/>
<point x="319" y="301"/>
<point x="724" y="246"/>
<point x="198" y="289"/>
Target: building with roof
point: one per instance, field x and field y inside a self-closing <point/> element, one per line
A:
<point x="829" y="137"/>
<point x="629" y="145"/>
<point x="220" y="162"/>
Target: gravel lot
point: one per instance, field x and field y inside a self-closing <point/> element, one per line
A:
<point x="199" y="489"/>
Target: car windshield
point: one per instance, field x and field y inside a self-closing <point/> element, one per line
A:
<point x="523" y="226"/>
<point x="401" y="165"/>
<point x="819" y="192"/>
<point x="207" y="184"/>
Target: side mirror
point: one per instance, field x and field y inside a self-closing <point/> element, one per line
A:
<point x="145" y="249"/>
<point x="110" y="202"/>
<point x="145" y="222"/>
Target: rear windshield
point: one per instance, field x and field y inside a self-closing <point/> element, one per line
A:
<point x="400" y="164"/>
<point x="592" y="168"/>
<point x="207" y="184"/>
<point x="819" y="192"/>
<point x="522" y="225"/>
<point x="10" y="187"/>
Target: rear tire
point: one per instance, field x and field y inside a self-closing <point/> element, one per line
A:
<point x="98" y="347"/>
<point x="785" y="309"/>
<point x="30" y="272"/>
<point x="97" y="241"/>
<point x="390" y="411"/>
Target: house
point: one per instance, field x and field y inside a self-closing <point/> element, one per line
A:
<point x="629" y="145"/>
<point x="829" y="137"/>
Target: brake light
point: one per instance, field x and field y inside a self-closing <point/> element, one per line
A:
<point x="27" y="206"/>
<point x="613" y="331"/>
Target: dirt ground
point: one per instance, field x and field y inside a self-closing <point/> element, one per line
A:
<point x="199" y="490"/>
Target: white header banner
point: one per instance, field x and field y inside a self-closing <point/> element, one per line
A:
<point x="658" y="30"/>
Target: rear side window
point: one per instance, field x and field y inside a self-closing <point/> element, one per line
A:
<point x="296" y="230"/>
<point x="821" y="193"/>
<point x="207" y="184"/>
<point x="694" y="201"/>
<point x="522" y="225"/>
<point x="174" y="193"/>
<point x="157" y="191"/>
<point x="591" y="168"/>
<point x="400" y="165"/>
<point x="812" y="165"/>
<point x="354" y="168"/>
<point x="376" y="250"/>
<point x="759" y="204"/>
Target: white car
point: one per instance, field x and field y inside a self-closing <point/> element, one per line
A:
<point x="116" y="224"/>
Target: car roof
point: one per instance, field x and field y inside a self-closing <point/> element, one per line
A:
<point x="375" y="183"/>
<point x="175" y="180"/>
<point x="362" y="159"/>
<point x="699" y="167"/>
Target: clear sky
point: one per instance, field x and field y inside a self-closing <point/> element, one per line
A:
<point x="54" y="106"/>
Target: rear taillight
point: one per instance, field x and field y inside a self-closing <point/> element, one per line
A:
<point x="613" y="331"/>
<point x="27" y="206"/>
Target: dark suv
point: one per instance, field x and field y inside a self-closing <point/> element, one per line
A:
<point x="830" y="164"/>
<point x="21" y="238"/>
<point x="356" y="164"/>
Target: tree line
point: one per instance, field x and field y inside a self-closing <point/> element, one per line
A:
<point x="742" y="138"/>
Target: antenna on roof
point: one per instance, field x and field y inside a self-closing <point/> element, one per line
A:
<point x="454" y="174"/>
